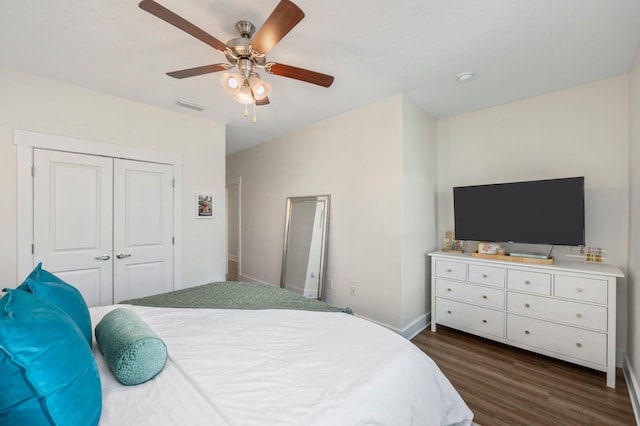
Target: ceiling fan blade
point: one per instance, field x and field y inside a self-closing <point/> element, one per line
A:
<point x="284" y="17"/>
<point x="263" y="101"/>
<point x="168" y="16"/>
<point x="192" y="72"/>
<point x="301" y="74"/>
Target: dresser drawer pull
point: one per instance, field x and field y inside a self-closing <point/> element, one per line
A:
<point x="448" y="312"/>
<point x="449" y="270"/>
<point x="527" y="332"/>
<point x="527" y="282"/>
<point x="485" y="276"/>
<point x="579" y="289"/>
<point x="484" y="296"/>
<point x="579" y="315"/>
<point x="484" y="321"/>
<point x="449" y="289"/>
<point x="526" y="305"/>
<point x="579" y="344"/>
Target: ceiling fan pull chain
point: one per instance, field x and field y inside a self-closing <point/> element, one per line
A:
<point x="254" y="111"/>
<point x="246" y="111"/>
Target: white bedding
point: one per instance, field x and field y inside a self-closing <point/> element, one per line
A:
<point x="280" y="367"/>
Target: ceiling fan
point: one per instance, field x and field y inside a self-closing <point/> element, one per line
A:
<point x="247" y="53"/>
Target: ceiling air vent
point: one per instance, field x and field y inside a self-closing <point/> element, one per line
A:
<point x="192" y="105"/>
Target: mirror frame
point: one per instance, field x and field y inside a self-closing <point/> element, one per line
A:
<point x="326" y="199"/>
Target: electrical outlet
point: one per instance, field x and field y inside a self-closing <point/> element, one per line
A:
<point x="354" y="290"/>
<point x="330" y="283"/>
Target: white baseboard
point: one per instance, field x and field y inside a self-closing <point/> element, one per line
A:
<point x="419" y="324"/>
<point x="410" y="331"/>
<point x="395" y="330"/>
<point x="254" y="280"/>
<point x="632" y="384"/>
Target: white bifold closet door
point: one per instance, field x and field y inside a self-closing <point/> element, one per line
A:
<point x="104" y="225"/>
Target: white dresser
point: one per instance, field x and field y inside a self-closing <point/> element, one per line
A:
<point x="566" y="310"/>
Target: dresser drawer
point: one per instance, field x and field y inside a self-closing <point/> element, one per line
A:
<point x="578" y="288"/>
<point x="564" y="340"/>
<point x="486" y="275"/>
<point x="573" y="313"/>
<point x="484" y="296"/>
<point x="469" y="317"/>
<point x="451" y="270"/>
<point x="531" y="282"/>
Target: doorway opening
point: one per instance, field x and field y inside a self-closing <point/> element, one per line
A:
<point x="233" y="229"/>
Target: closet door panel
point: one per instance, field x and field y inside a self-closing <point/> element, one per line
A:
<point x="143" y="229"/>
<point x="73" y="220"/>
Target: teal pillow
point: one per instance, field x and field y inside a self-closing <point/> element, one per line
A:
<point x="134" y="353"/>
<point x="66" y="297"/>
<point x="49" y="375"/>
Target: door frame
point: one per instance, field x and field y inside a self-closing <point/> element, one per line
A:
<point x="235" y="180"/>
<point x="26" y="141"/>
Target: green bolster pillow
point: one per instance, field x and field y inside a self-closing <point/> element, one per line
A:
<point x="134" y="353"/>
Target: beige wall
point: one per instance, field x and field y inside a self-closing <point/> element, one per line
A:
<point x="419" y="175"/>
<point x="633" y="343"/>
<point x="356" y="158"/>
<point x="583" y="131"/>
<point x="35" y="104"/>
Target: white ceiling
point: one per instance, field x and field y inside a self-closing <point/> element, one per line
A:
<point x="374" y="48"/>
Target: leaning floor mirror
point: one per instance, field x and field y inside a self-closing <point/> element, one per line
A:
<point x="305" y="245"/>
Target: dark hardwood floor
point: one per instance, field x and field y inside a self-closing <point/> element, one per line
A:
<point x="503" y="385"/>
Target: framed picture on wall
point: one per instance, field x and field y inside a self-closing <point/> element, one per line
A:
<point x="204" y="205"/>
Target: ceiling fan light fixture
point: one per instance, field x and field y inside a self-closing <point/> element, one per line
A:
<point x="244" y="95"/>
<point x="259" y="87"/>
<point x="232" y="82"/>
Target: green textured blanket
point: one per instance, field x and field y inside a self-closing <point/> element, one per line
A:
<point x="235" y="295"/>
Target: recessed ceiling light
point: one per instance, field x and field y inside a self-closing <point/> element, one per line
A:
<point x="464" y="77"/>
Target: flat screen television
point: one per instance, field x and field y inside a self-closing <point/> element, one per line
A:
<point x="535" y="212"/>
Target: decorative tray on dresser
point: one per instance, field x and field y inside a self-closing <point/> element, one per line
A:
<point x="566" y="310"/>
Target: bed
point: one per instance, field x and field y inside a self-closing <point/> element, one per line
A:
<point x="271" y="365"/>
<point x="267" y="356"/>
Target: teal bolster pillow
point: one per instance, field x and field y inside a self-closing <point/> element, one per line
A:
<point x="66" y="297"/>
<point x="49" y="375"/>
<point x="134" y="353"/>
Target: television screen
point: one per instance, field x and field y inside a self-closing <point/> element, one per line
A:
<point x="535" y="212"/>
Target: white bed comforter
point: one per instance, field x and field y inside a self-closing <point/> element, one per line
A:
<point x="280" y="367"/>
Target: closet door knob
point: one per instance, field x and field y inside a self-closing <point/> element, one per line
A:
<point x="103" y="257"/>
